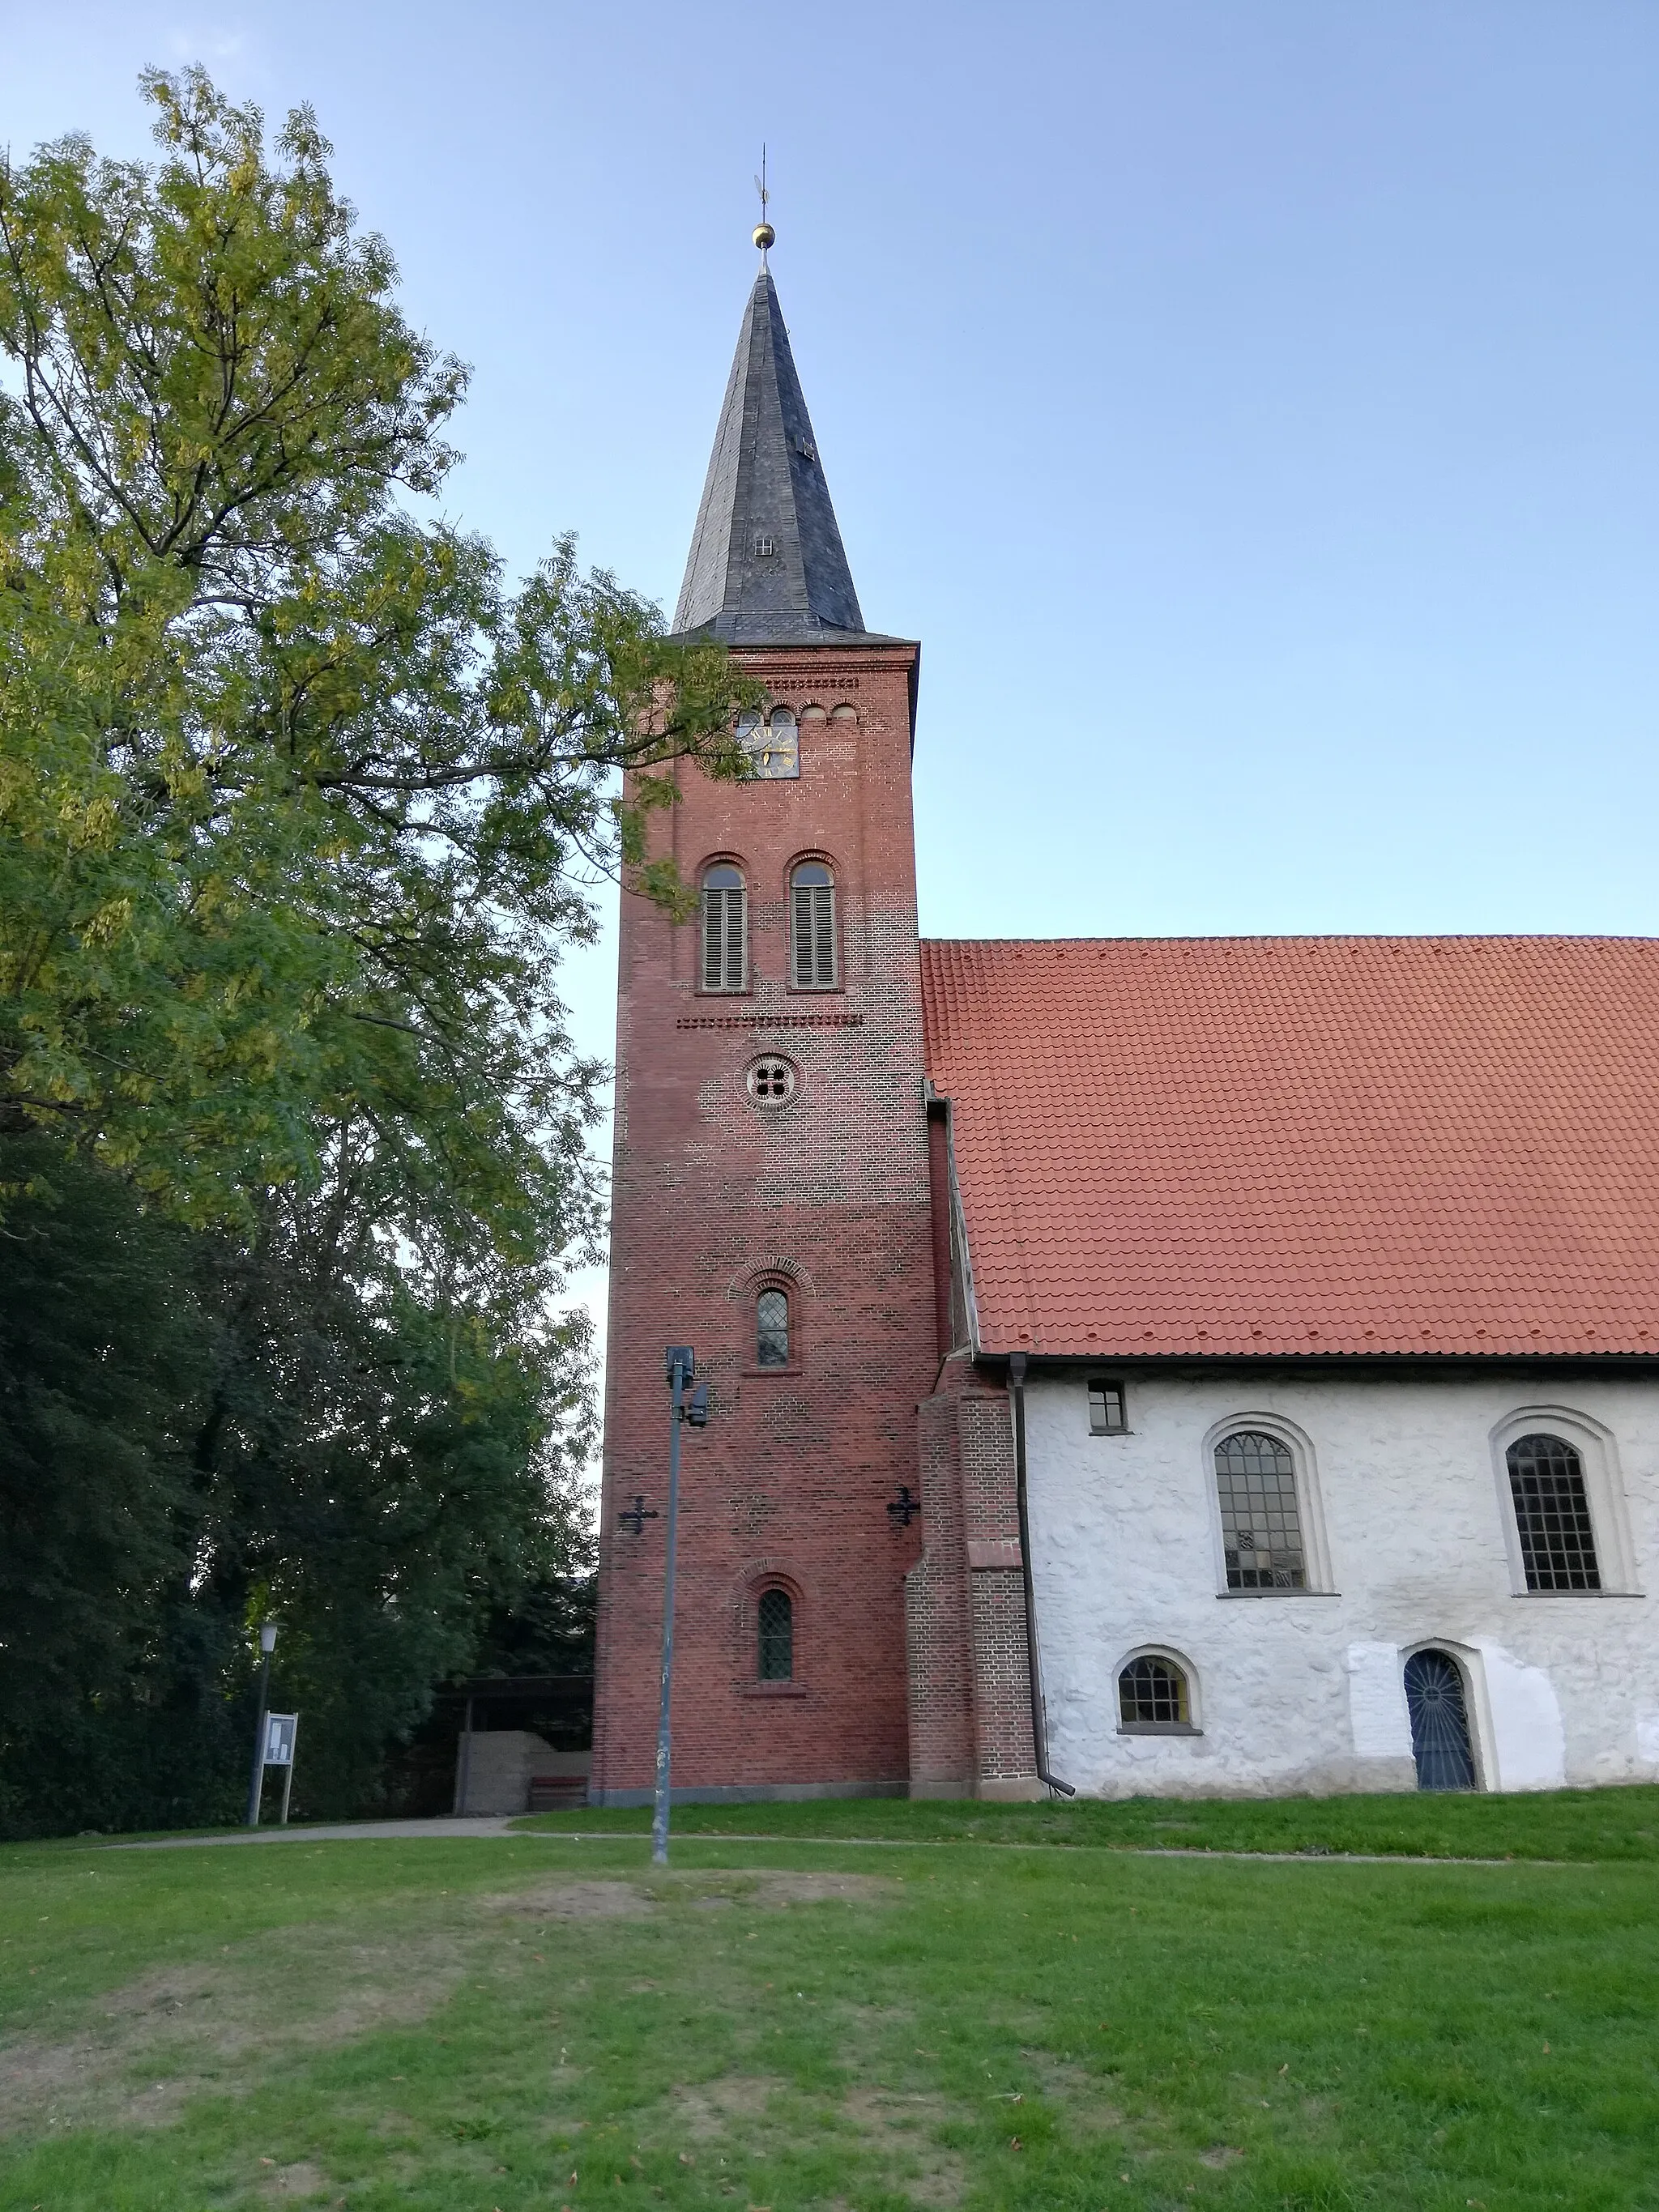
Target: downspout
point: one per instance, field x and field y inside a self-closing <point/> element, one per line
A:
<point x="1039" y="1729"/>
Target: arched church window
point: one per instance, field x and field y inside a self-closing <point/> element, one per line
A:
<point x="775" y="1635"/>
<point x="772" y="1328"/>
<point x="1552" y="1515"/>
<point x="1261" y="1521"/>
<point x="812" y="927"/>
<point x="1152" y="1694"/>
<point x="725" y="930"/>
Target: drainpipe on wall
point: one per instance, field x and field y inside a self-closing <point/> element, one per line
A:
<point x="1039" y="1727"/>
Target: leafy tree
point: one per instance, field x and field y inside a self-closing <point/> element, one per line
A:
<point x="196" y="1430"/>
<point x="110" y="1709"/>
<point x="384" y="1471"/>
<point x="298" y="802"/>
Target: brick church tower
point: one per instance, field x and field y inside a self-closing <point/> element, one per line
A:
<point x="771" y="1194"/>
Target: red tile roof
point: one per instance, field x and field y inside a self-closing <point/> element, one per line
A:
<point x="1306" y="1144"/>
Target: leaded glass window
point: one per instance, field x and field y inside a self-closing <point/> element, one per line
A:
<point x="772" y="1328"/>
<point x="1153" y="1693"/>
<point x="725" y="930"/>
<point x="775" y="1618"/>
<point x="1551" y="1513"/>
<point x="812" y="896"/>
<point x="1261" y="1524"/>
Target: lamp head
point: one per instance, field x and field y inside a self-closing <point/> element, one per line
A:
<point x="268" y="1636"/>
<point x="696" y="1407"/>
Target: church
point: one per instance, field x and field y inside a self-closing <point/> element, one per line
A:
<point x="1191" y="1366"/>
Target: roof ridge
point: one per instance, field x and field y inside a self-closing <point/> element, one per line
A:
<point x="1327" y="937"/>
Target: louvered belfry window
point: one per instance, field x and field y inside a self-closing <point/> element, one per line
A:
<point x="725" y="931"/>
<point x="812" y="924"/>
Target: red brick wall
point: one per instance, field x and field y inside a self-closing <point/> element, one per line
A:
<point x="969" y="1682"/>
<point x="792" y="1478"/>
<point x="938" y="1631"/>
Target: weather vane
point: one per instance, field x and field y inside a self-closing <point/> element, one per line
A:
<point x="764" y="233"/>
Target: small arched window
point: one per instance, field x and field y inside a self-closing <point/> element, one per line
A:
<point x="772" y="1328"/>
<point x="812" y="924"/>
<point x="1261" y="1521"/>
<point x="725" y="930"/>
<point x="1151" y="1693"/>
<point x="1552" y="1515"/>
<point x="775" y="1635"/>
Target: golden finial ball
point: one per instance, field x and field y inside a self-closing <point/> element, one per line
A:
<point x="765" y="235"/>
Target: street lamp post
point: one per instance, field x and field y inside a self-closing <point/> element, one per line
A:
<point x="681" y="1365"/>
<point x="256" y="1780"/>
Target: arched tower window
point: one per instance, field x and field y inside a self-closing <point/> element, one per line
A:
<point x="725" y="930"/>
<point x="772" y="1328"/>
<point x="1260" y="1522"/>
<point x="775" y="1622"/>
<point x="812" y="927"/>
<point x="1552" y="1515"/>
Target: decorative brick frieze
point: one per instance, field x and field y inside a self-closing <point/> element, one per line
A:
<point x="770" y="1022"/>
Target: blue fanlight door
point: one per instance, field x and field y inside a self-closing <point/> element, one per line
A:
<point x="1440" y="1722"/>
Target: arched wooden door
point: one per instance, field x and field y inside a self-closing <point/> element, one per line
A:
<point x="1440" y="1722"/>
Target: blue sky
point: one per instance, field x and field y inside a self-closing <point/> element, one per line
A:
<point x="1251" y="407"/>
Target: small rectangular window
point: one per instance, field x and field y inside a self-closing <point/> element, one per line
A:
<point x="1107" y="1415"/>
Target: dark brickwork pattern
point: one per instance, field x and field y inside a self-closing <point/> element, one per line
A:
<point x="712" y="1194"/>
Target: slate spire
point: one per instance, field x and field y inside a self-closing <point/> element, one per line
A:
<point x="767" y="566"/>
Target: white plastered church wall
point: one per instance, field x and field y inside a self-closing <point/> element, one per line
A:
<point x="1295" y="1691"/>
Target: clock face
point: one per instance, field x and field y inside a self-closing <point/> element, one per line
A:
<point x="772" y="743"/>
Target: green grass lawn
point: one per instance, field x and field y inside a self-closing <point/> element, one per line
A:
<point x="1565" y="1824"/>
<point x="541" y="2021"/>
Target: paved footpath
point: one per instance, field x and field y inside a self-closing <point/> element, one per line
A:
<point x="492" y="1825"/>
<point x="501" y="1824"/>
